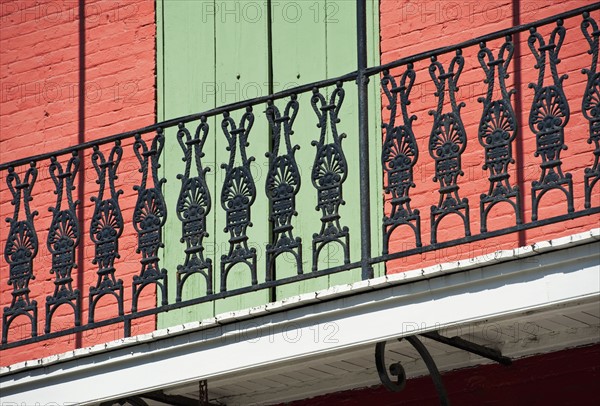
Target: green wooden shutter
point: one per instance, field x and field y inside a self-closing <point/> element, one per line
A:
<point x="212" y="53"/>
<point x="313" y="41"/>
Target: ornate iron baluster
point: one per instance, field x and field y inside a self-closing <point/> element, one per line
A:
<point x="447" y="142"/>
<point x="547" y="120"/>
<point x="398" y="157"/>
<point x="63" y="239"/>
<point x="591" y="104"/>
<point x="237" y="196"/>
<point x="105" y="230"/>
<point x="497" y="130"/>
<point x="329" y="172"/>
<point x="282" y="186"/>
<point x="149" y="217"/>
<point x="20" y="250"/>
<point x="193" y="205"/>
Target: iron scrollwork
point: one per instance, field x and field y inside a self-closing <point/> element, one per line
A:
<point x="149" y="217"/>
<point x="397" y="370"/>
<point x="193" y="205"/>
<point x="447" y="142"/>
<point x="282" y="186"/>
<point x="20" y="250"/>
<point x="329" y="172"/>
<point x="105" y="229"/>
<point x="591" y="104"/>
<point x="237" y="196"/>
<point x="399" y="156"/>
<point x="548" y="117"/>
<point x="497" y="131"/>
<point x="63" y="239"/>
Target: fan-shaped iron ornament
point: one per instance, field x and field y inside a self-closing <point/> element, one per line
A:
<point x="282" y="186"/>
<point x="447" y="142"/>
<point x="398" y="157"/>
<point x="63" y="239"/>
<point x="20" y="250"/>
<point x="193" y="205"/>
<point x="237" y="196"/>
<point x="548" y="117"/>
<point x="329" y="172"/>
<point x="497" y="131"/>
<point x="591" y="104"/>
<point x="105" y="229"/>
<point x="149" y="217"/>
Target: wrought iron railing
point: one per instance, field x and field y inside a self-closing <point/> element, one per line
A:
<point x="497" y="131"/>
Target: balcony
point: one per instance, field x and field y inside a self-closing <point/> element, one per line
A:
<point x="474" y="144"/>
<point x="497" y="173"/>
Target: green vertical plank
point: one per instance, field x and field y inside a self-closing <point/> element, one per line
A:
<point x="186" y="74"/>
<point x="341" y="55"/>
<point x="212" y="53"/>
<point x="327" y="48"/>
<point x="300" y="56"/>
<point x="241" y="50"/>
<point x="341" y="24"/>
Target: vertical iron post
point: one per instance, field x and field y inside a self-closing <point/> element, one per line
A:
<point x="362" y="82"/>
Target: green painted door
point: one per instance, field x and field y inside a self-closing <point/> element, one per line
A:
<point x="212" y="53"/>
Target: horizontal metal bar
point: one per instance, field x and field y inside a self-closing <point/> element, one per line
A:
<point x="300" y="89"/>
<point x="184" y="303"/>
<point x="62" y="333"/>
<point x="483" y="38"/>
<point x="185" y="119"/>
<point x="486" y="235"/>
<point x="469" y="346"/>
<point x="297" y="278"/>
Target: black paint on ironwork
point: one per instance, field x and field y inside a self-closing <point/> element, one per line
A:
<point x="282" y="186"/>
<point x="193" y="205"/>
<point x="63" y="239"/>
<point x="105" y="229"/>
<point x="329" y="172"/>
<point x="126" y="319"/>
<point x="398" y="371"/>
<point x="398" y="157"/>
<point x="237" y="196"/>
<point x="447" y="142"/>
<point x="129" y="401"/>
<point x="362" y="82"/>
<point x="149" y="217"/>
<point x="421" y="56"/>
<point x="497" y="131"/>
<point x="591" y="104"/>
<point x="304" y="88"/>
<point x="548" y="117"/>
<point x="20" y="250"/>
<point x="469" y="346"/>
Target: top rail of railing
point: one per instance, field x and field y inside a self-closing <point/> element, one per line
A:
<point x="302" y="88"/>
<point x="482" y="39"/>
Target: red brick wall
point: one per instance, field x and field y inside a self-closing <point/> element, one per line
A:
<point x="411" y="27"/>
<point x="40" y="111"/>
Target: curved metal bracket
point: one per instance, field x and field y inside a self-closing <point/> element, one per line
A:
<point x="398" y="371"/>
